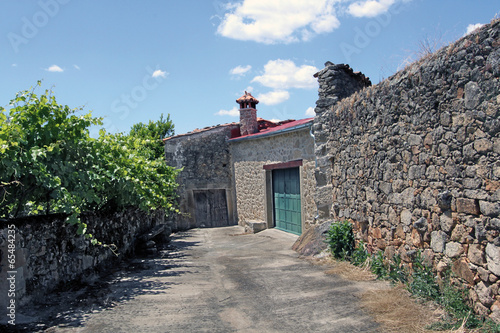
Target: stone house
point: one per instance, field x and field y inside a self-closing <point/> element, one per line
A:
<point x="255" y="173"/>
<point x="273" y="172"/>
<point x="206" y="186"/>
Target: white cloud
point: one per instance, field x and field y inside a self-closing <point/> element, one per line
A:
<point x="473" y="27"/>
<point x="240" y="70"/>
<point x="54" y="68"/>
<point x="234" y="112"/>
<point x="274" y="97"/>
<point x="159" y="73"/>
<point x="284" y="74"/>
<point x="310" y="111"/>
<point x="278" y="21"/>
<point x="14" y="65"/>
<point x="370" y="8"/>
<point x="76" y="67"/>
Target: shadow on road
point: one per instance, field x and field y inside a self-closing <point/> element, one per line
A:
<point x="72" y="302"/>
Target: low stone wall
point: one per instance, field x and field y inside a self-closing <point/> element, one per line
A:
<point x="49" y="253"/>
<point x="414" y="162"/>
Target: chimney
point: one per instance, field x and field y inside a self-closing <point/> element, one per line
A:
<point x="248" y="114"/>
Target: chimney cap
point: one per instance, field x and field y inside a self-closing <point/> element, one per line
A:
<point x="247" y="98"/>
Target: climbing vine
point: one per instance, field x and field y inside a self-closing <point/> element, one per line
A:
<point x="50" y="164"/>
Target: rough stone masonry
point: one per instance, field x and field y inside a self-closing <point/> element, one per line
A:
<point x="414" y="161"/>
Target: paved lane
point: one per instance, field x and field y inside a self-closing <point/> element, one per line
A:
<point x="218" y="280"/>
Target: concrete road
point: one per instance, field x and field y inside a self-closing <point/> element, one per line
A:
<point x="219" y="280"/>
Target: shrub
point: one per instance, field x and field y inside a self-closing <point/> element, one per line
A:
<point x="378" y="265"/>
<point x="340" y="239"/>
<point x="422" y="281"/>
<point x="359" y="255"/>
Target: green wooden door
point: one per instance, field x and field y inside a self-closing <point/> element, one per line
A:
<point x="286" y="193"/>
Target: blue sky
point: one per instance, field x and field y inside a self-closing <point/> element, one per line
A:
<point x="129" y="60"/>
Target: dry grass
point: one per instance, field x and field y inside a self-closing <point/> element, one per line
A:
<point x="350" y="272"/>
<point x="393" y="308"/>
<point x="397" y="311"/>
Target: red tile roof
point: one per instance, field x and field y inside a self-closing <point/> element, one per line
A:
<point x="286" y="125"/>
<point x="266" y="127"/>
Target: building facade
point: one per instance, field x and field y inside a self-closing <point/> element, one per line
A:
<point x="256" y="173"/>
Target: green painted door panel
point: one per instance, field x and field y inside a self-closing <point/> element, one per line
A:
<point x="286" y="193"/>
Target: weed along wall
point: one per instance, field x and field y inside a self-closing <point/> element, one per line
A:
<point x="49" y="253"/>
<point x="414" y="162"/>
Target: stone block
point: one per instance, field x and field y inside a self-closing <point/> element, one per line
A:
<point x="476" y="194"/>
<point x="460" y="233"/>
<point x="416" y="238"/>
<point x="495" y="311"/>
<point x="406" y="217"/>
<point x="386" y="188"/>
<point x="376" y="233"/>
<point x="483" y="274"/>
<point x="468" y="152"/>
<point x="473" y="95"/>
<point x="312" y="241"/>
<point x="484" y="294"/>
<point x="446" y="221"/>
<point x="476" y="254"/>
<point x="438" y="241"/>
<point x="441" y="266"/>
<point x="494" y="224"/>
<point x="399" y="233"/>
<point x="467" y="206"/>
<point x="481" y="310"/>
<point x="421" y="225"/>
<point x="454" y="249"/>
<point x="491" y="185"/>
<point x="493" y="258"/>
<point x="462" y="270"/>
<point x="483" y="145"/>
<point x="255" y="226"/>
<point x="444" y="200"/>
<point x="491" y="209"/>
<point x="414" y="140"/>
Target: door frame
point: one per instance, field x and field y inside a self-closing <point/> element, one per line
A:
<point x="192" y="206"/>
<point x="269" y="195"/>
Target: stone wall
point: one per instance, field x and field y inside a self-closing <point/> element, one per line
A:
<point x="336" y="82"/>
<point x="205" y="162"/>
<point x="248" y="158"/>
<point x="414" y="162"/>
<point x="49" y="253"/>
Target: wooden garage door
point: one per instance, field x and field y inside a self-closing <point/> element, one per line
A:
<point x="211" y="208"/>
<point x="286" y="194"/>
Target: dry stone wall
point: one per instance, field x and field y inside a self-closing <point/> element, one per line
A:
<point x="414" y="162"/>
<point x="49" y="253"/>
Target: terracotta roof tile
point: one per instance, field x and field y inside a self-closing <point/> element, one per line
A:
<point x="247" y="97"/>
<point x="200" y="130"/>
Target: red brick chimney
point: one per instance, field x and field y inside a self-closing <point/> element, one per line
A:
<point x="248" y="114"/>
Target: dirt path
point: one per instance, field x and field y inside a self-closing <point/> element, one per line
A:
<point x="218" y="280"/>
